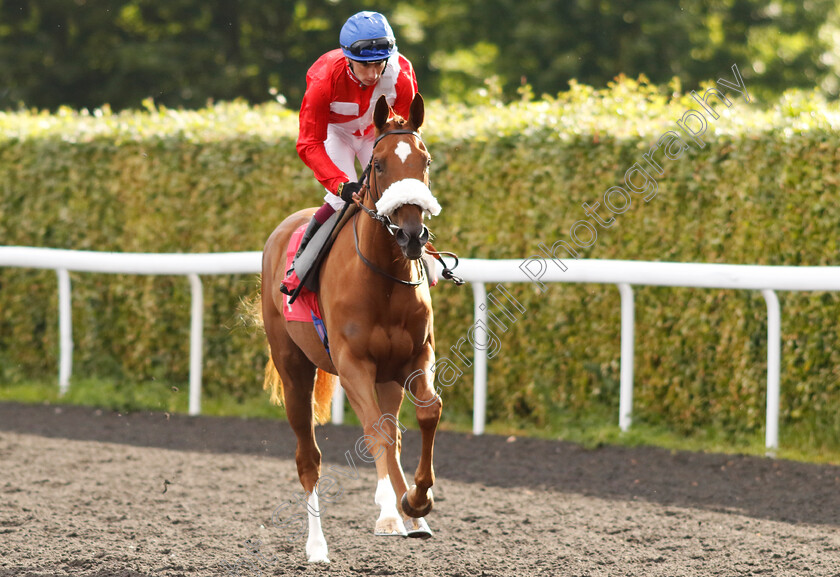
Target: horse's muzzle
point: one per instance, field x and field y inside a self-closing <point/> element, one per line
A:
<point x="412" y="242"/>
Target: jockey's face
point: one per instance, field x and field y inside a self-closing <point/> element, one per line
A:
<point x="368" y="73"/>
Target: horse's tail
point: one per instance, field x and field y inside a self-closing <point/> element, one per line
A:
<point x="322" y="396"/>
<point x="273" y="382"/>
<point x="324" y="387"/>
<point x="324" y="382"/>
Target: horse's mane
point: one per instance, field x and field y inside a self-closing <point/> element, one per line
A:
<point x="396" y="118"/>
<point x="396" y="121"/>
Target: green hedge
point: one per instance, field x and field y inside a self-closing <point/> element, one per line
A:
<point x="762" y="191"/>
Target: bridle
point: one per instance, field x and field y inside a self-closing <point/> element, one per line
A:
<point x="367" y="181"/>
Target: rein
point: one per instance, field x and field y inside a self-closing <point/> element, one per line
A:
<point x="376" y="269"/>
<point x="446" y="272"/>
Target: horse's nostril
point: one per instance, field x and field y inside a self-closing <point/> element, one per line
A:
<point x="424" y="236"/>
<point x="402" y="237"/>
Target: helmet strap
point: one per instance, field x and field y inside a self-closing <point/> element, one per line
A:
<point x="353" y="72"/>
<point x="350" y="62"/>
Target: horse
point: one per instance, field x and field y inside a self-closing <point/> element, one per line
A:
<point x="377" y="310"/>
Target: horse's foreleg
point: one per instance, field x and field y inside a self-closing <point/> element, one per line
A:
<point x="390" y="431"/>
<point x="390" y="399"/>
<point x="380" y="438"/>
<point x="418" y="501"/>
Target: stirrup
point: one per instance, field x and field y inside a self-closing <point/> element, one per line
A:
<point x="283" y="288"/>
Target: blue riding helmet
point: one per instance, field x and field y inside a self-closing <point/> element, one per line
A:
<point x="367" y="37"/>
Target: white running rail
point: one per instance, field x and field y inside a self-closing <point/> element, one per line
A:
<point x="624" y="274"/>
<point x="190" y="265"/>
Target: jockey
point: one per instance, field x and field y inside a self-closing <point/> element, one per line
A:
<point x="336" y="116"/>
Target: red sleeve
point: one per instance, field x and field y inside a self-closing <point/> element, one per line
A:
<point x="314" y="116"/>
<point x="406" y="88"/>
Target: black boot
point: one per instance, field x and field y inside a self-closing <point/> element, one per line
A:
<point x="310" y="231"/>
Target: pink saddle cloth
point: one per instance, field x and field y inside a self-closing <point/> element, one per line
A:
<point x="305" y="308"/>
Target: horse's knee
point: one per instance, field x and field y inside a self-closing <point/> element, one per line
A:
<point x="370" y="446"/>
<point x="429" y="415"/>
<point x="387" y="429"/>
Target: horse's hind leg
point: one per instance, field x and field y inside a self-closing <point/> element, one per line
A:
<point x="298" y="375"/>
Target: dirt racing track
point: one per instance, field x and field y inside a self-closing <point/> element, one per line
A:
<point x="85" y="492"/>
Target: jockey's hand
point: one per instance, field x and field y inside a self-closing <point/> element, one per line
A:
<point x="348" y="189"/>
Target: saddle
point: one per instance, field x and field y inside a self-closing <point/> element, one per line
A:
<point x="307" y="266"/>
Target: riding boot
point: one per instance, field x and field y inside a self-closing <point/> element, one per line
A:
<point x="310" y="231"/>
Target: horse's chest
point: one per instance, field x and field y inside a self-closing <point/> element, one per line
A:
<point x="397" y="341"/>
<point x="403" y="332"/>
<point x="391" y="334"/>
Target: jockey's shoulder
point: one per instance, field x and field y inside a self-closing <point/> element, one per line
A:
<point x="405" y="63"/>
<point x="327" y="65"/>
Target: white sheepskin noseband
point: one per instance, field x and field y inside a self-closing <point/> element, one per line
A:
<point x="407" y="191"/>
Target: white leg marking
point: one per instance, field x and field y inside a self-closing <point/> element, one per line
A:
<point x="402" y="150"/>
<point x="389" y="522"/>
<point x="316" y="544"/>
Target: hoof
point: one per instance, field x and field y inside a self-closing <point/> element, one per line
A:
<point x="390" y="527"/>
<point x="316" y="552"/>
<point x="319" y="559"/>
<point x="411" y="511"/>
<point x="417" y="528"/>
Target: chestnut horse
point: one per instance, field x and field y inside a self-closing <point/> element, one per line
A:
<point x="375" y="302"/>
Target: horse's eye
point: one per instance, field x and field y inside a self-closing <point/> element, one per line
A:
<point x="377" y="166"/>
<point x="428" y="163"/>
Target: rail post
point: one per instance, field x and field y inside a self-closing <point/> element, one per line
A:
<point x="196" y="342"/>
<point x="65" y="331"/>
<point x="628" y="331"/>
<point x="774" y="363"/>
<point x="480" y="360"/>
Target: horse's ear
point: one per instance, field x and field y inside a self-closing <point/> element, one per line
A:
<point x="416" y="112"/>
<point x="381" y="113"/>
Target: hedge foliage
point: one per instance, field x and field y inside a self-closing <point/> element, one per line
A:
<point x="762" y="191"/>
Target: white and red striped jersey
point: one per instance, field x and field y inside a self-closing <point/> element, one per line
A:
<point x="335" y="97"/>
